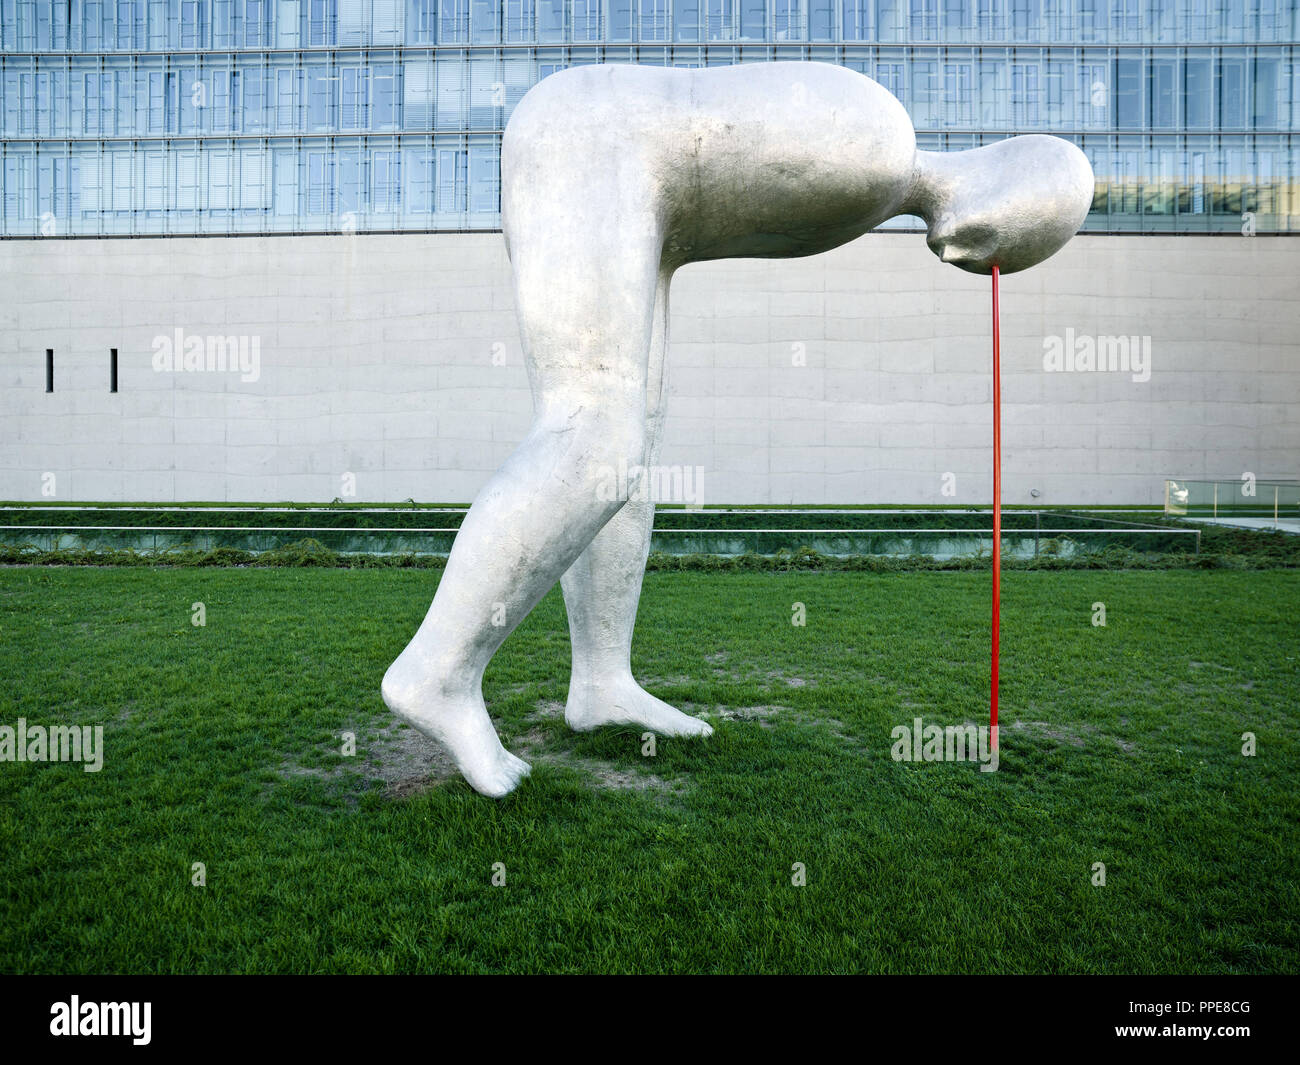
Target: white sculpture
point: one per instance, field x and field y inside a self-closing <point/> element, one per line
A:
<point x="612" y="177"/>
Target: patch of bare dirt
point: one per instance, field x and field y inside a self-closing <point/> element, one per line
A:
<point x="765" y="716"/>
<point x="547" y="710"/>
<point x="406" y="761"/>
<point x="772" y="677"/>
<point x="536" y="746"/>
<point x="1073" y="736"/>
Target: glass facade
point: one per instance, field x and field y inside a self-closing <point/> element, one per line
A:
<point x="139" y="117"/>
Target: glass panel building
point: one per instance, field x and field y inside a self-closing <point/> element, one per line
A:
<point x="196" y="117"/>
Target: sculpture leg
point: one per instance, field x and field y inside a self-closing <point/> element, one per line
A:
<point x="602" y="589"/>
<point x="586" y="329"/>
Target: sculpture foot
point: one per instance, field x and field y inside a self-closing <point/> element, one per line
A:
<point x="625" y="702"/>
<point x="464" y="728"/>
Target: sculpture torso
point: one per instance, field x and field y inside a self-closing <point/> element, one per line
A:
<point x="770" y="160"/>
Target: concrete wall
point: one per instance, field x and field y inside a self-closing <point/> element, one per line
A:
<point x="396" y="359"/>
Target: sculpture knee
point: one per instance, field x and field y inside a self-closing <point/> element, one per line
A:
<point x="602" y="444"/>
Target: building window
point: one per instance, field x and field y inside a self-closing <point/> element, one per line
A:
<point x="198" y="116"/>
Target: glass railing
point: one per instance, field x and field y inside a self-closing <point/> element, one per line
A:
<point x="1274" y="501"/>
<point x="843" y="533"/>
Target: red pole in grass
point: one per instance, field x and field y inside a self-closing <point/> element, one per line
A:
<point x="997" y="513"/>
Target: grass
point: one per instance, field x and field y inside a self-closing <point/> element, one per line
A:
<point x="1121" y="744"/>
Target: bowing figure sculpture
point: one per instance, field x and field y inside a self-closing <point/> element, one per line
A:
<point x="612" y="177"/>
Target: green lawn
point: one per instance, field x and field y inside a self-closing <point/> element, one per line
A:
<point x="1120" y="745"/>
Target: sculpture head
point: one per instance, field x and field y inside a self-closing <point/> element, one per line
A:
<point x="1010" y="204"/>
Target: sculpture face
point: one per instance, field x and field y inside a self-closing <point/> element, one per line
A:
<point x="1011" y="204"/>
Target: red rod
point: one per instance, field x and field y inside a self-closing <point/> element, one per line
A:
<point x="997" y="512"/>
